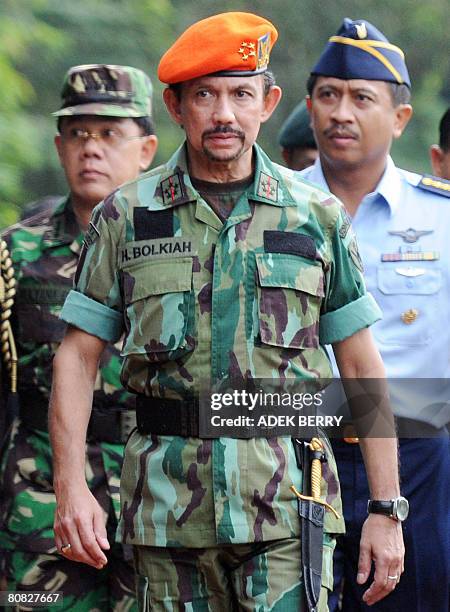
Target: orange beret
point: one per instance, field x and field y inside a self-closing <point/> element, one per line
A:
<point x="231" y="44"/>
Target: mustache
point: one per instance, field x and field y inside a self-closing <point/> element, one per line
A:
<point x="339" y="131"/>
<point x="223" y="129"/>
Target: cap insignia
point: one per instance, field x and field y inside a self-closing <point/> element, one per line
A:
<point x="361" y="30"/>
<point x="247" y="50"/>
<point x="263" y="51"/>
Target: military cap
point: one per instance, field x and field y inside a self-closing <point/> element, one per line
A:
<point x="228" y="44"/>
<point x="296" y="130"/>
<point x="104" y="89"/>
<point x="360" y="51"/>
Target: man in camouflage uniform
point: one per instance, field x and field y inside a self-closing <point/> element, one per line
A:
<point x="105" y="137"/>
<point x="219" y="266"/>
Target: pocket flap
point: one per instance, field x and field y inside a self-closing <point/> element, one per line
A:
<point x="291" y="272"/>
<point x="157" y="277"/>
<point x="415" y="280"/>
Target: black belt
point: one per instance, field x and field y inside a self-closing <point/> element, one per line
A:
<point x="107" y="424"/>
<point x="167" y="417"/>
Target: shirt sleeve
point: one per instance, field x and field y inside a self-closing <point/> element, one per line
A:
<point x="347" y="307"/>
<point x="95" y="304"/>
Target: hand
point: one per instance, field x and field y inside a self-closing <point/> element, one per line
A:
<point x="382" y="543"/>
<point x="80" y="522"/>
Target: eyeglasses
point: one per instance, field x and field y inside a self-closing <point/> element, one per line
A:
<point x="106" y="137"/>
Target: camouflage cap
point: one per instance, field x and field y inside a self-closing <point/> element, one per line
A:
<point x="108" y="90"/>
<point x="296" y="130"/>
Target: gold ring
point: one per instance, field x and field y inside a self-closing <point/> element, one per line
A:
<point x="393" y="577"/>
<point x="65" y="547"/>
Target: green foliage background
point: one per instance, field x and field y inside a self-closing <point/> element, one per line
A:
<point x="41" y="39"/>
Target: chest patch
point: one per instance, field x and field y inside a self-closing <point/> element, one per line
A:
<point x="149" y="225"/>
<point x="161" y="248"/>
<point x="289" y="242"/>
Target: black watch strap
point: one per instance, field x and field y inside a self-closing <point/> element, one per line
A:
<point x="378" y="506"/>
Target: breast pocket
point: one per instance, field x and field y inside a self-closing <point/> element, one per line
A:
<point x="289" y="293"/>
<point x="160" y="309"/>
<point x="408" y="296"/>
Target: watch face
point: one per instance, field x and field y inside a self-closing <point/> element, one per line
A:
<point x="402" y="508"/>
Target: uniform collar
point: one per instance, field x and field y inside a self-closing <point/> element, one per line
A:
<point x="389" y="187"/>
<point x="63" y="228"/>
<point x="174" y="186"/>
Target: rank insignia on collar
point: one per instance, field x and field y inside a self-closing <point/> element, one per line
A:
<point x="411" y="256"/>
<point x="435" y="184"/>
<point x="411" y="235"/>
<point x="267" y="187"/>
<point x="172" y="189"/>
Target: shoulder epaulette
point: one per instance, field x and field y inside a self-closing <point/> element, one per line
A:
<point x="435" y="184"/>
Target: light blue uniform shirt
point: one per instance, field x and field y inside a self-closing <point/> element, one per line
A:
<point x="414" y="334"/>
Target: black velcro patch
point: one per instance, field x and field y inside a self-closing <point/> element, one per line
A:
<point x="150" y="224"/>
<point x="289" y="242"/>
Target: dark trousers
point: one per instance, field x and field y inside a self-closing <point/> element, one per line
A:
<point x="425" y="481"/>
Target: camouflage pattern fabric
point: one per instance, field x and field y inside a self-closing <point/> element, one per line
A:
<point x="203" y="301"/>
<point x="85" y="589"/>
<point x="45" y="251"/>
<point x="105" y="89"/>
<point x="41" y="205"/>
<point x="30" y="560"/>
<point x="203" y="579"/>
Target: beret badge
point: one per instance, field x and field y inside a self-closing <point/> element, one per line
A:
<point x="263" y="52"/>
<point x="247" y="50"/>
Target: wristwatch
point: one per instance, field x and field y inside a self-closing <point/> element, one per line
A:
<point x="397" y="508"/>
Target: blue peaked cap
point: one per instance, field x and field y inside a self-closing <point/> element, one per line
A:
<point x="360" y="51"/>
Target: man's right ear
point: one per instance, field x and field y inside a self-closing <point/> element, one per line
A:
<point x="436" y="157"/>
<point x="58" y="145"/>
<point x="173" y="104"/>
